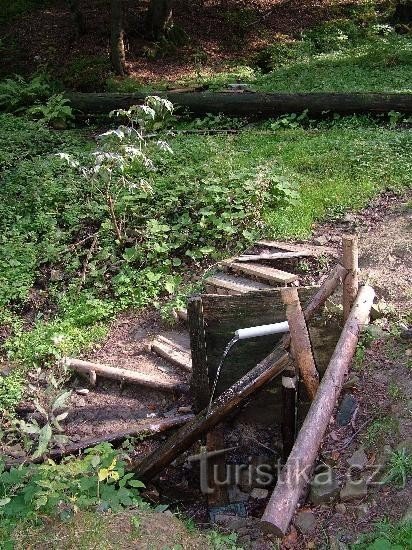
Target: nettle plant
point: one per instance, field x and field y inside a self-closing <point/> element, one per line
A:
<point x="126" y="150"/>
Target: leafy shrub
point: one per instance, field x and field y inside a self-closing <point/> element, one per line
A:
<point x="56" y="111"/>
<point x="18" y="94"/>
<point x="386" y="536"/>
<point x="87" y="73"/>
<point x="99" y="479"/>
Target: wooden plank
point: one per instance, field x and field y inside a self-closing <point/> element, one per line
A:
<point x="269" y="274"/>
<point x="199" y="383"/>
<point x="272" y="256"/>
<point x="125" y="375"/>
<point x="173" y="352"/>
<point x="239" y="285"/>
<point x="308" y="249"/>
<point x="215" y="441"/>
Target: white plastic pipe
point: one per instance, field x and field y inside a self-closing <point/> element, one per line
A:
<point x="263" y="330"/>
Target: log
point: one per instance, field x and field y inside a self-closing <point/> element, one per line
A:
<point x="146" y="427"/>
<point x="256" y="105"/>
<point x="218" y="494"/>
<point x="271" y="256"/>
<point x="351" y="263"/>
<point x="264" y="372"/>
<point x="293" y="478"/>
<point x="124" y="375"/>
<point x="300" y="341"/>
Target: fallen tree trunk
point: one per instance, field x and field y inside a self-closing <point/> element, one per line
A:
<point x="264" y="372"/>
<point x="124" y="375"/>
<point x="146" y="427"/>
<point x="255" y="105"/>
<point x="294" y="477"/>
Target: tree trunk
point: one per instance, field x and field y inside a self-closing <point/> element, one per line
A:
<point x="158" y="18"/>
<point x="77" y="17"/>
<point x="253" y="105"/>
<point x="117" y="54"/>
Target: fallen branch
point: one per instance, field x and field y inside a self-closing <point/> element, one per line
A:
<point x="124" y="375"/>
<point x="293" y="478"/>
<point x="275" y="363"/>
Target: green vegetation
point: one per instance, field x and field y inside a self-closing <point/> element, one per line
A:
<point x="98" y="479"/>
<point x="380" y="431"/>
<point x="400" y="467"/>
<point x="386" y="536"/>
<point x="11" y="10"/>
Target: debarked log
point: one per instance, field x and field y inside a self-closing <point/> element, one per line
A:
<point x="125" y="375"/>
<point x="256" y="105"/>
<point x="293" y="477"/>
<point x="275" y="363"/>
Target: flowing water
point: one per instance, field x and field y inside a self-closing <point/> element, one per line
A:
<point x="219" y="368"/>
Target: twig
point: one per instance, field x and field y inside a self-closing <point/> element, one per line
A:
<point x="75" y="245"/>
<point x="86" y="263"/>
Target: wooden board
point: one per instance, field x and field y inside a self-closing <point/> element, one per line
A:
<point x="172" y="350"/>
<point x="264" y="272"/>
<point x="307" y="249"/>
<point x="238" y="285"/>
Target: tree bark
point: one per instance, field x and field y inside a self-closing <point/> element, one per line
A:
<point x="293" y="478"/>
<point x="158" y="18"/>
<point x="252" y="105"/>
<point x="77" y="17"/>
<point x="117" y="54"/>
<point x="351" y="282"/>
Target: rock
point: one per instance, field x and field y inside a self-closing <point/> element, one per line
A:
<point x="353" y="490"/>
<point x="305" y="521"/>
<point x="381" y="310"/>
<point x="346" y="409"/>
<point x="351" y="383"/>
<point x="184" y="410"/>
<point x="82" y="391"/>
<point x="408" y="352"/>
<point x="340" y="508"/>
<point x="321" y="240"/>
<point x="362" y="510"/>
<point x="406" y="334"/>
<point x="336" y="544"/>
<point x="358" y="460"/>
<point x="324" y="487"/>
<point x="259" y="493"/>
<point x="349" y="218"/>
<point x="377" y="333"/>
<point x="234" y="523"/>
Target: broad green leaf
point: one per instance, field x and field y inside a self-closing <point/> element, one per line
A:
<point x="44" y="440"/>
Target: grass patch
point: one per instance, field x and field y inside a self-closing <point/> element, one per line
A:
<point x="11" y="10"/>
<point x="386" y="536"/>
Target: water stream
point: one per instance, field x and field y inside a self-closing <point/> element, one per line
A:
<point x="219" y="368"/>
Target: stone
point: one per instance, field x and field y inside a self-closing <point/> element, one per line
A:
<point x="184" y="410"/>
<point x="82" y="391"/>
<point x="406" y="334"/>
<point x="324" y="487"/>
<point x="321" y="240"/>
<point x="408" y="352"/>
<point x="340" y="508"/>
<point x="351" y="383"/>
<point x="349" y="218"/>
<point x="358" y="460"/>
<point x="346" y="409"/>
<point x="362" y="510"/>
<point x="336" y="544"/>
<point x="305" y="521"/>
<point x="258" y="493"/>
<point x="353" y="490"/>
